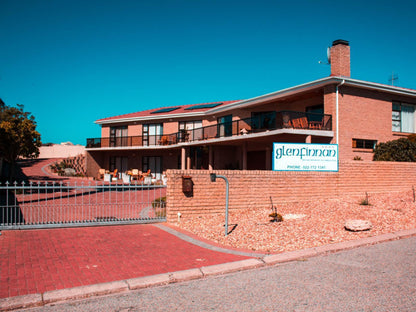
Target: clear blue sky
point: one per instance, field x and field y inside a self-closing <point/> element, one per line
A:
<point x="71" y="62"/>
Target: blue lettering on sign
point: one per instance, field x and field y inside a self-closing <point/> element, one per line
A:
<point x="305" y="152"/>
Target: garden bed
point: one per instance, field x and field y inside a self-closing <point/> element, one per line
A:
<point x="307" y="224"/>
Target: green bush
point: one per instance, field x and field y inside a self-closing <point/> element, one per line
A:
<point x="397" y="150"/>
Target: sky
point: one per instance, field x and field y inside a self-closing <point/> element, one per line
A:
<point x="71" y="62"/>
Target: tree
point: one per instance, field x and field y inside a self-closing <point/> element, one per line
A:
<point x="397" y="150"/>
<point x="18" y="135"/>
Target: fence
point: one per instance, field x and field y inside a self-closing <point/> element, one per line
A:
<point x="46" y="204"/>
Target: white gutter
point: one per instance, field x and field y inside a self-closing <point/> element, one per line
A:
<point x="337" y="107"/>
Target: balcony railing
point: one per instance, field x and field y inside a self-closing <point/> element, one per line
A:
<point x="262" y="123"/>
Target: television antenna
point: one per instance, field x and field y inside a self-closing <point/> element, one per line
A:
<point x="393" y="78"/>
<point x="328" y="57"/>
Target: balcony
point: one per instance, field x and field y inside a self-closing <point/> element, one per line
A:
<point x="262" y="123"/>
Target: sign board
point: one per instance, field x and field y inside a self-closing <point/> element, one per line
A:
<point x="305" y="157"/>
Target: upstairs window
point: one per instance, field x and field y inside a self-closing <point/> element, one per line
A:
<point x="263" y="120"/>
<point x="192" y="129"/>
<point x="403" y="117"/>
<point x="152" y="134"/>
<point x="118" y="136"/>
<point x="190" y="125"/>
<point x="225" y="126"/>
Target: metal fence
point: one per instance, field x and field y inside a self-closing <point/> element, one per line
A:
<point x="53" y="204"/>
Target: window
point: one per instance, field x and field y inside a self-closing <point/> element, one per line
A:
<point x="263" y="120"/>
<point x="403" y="117"/>
<point x="152" y="134"/>
<point x="225" y="126"/>
<point x="154" y="163"/>
<point x="361" y="143"/>
<point x="193" y="129"/>
<point x="118" y="162"/>
<point x="118" y="136"/>
<point x="315" y="113"/>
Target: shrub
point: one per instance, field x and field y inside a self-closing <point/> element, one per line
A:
<point x="159" y="202"/>
<point x="397" y="150"/>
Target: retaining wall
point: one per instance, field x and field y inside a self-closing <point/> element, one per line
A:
<point x="252" y="189"/>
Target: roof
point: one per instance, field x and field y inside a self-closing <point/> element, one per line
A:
<point x="167" y="112"/>
<point x="203" y="109"/>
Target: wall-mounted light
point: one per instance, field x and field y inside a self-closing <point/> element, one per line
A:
<point x="187" y="186"/>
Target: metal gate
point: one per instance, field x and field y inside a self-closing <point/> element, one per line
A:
<point x="52" y="204"/>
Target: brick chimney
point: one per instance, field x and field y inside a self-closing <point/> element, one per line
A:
<point x="340" y="58"/>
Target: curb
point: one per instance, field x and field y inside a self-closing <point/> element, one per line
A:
<point x="54" y="296"/>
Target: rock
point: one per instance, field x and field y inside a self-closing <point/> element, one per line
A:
<point x="358" y="225"/>
<point x="69" y="172"/>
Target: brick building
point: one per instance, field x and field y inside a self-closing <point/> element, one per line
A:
<point x="239" y="134"/>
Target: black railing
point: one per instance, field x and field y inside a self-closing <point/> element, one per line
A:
<point x="261" y="123"/>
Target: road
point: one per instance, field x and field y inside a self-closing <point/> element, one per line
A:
<point x="375" y="278"/>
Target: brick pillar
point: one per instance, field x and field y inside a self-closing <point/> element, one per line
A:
<point x="340" y="58"/>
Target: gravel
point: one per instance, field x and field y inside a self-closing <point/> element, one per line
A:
<point x="305" y="224"/>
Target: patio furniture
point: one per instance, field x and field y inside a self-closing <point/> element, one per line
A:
<point x="164" y="140"/>
<point x="300" y="123"/>
<point x="126" y="178"/>
<point x="108" y="177"/>
<point x="136" y="174"/>
<point x="101" y="173"/>
<point x="315" y="125"/>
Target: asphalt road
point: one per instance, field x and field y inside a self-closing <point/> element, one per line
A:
<point x="376" y="278"/>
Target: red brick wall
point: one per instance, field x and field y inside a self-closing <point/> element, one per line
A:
<point x="340" y="60"/>
<point x="252" y="189"/>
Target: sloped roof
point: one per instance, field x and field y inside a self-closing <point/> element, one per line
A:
<point x="210" y="108"/>
<point x="166" y="112"/>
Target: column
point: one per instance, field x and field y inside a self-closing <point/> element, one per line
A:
<point x="210" y="158"/>
<point x="183" y="158"/>
<point x="244" y="152"/>
<point x="268" y="158"/>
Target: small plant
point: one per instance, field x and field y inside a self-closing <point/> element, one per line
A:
<point x="365" y="201"/>
<point x="159" y="204"/>
<point x="357" y="158"/>
<point x="276" y="217"/>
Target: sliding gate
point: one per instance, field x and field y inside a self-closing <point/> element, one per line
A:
<point x="46" y="204"/>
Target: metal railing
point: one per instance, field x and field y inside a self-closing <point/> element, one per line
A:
<point x="267" y="122"/>
<point x="51" y="204"/>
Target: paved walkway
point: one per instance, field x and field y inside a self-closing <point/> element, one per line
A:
<point x="36" y="261"/>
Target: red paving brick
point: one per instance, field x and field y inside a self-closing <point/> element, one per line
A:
<point x="35" y="261"/>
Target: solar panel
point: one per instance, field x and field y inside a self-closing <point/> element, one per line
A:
<point x="165" y="110"/>
<point x="199" y="106"/>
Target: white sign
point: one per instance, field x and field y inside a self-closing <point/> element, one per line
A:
<point x="305" y="157"/>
